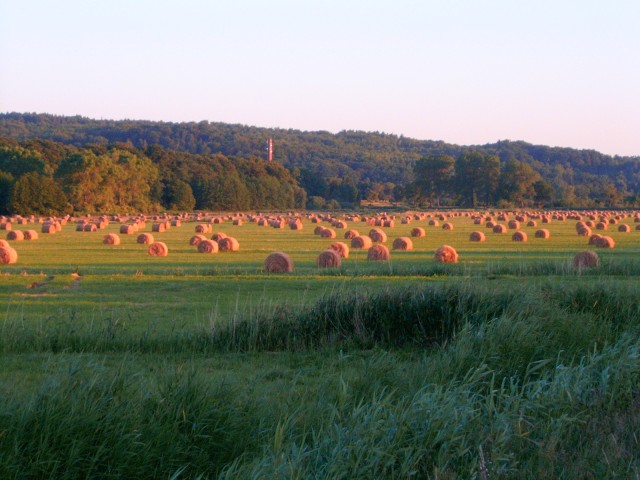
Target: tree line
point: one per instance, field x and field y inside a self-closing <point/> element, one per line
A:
<point x="46" y="177"/>
<point x="341" y="169"/>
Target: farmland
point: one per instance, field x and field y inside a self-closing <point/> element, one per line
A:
<point x="510" y="363"/>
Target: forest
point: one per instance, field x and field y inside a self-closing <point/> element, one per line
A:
<point x="53" y="164"/>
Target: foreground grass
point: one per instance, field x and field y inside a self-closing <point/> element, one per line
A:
<point x="449" y="380"/>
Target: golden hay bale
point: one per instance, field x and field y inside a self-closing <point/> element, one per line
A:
<point x="196" y="239"/>
<point x="15" y="235"/>
<point x="542" y="233"/>
<point x="145" y="239"/>
<point x="88" y="227"/>
<point x="278" y="223"/>
<point x="402" y="243"/>
<point x="499" y="228"/>
<point x="586" y="259"/>
<point x="296" y="224"/>
<point x="545" y="219"/>
<point x="128" y="229"/>
<point x="203" y="228"/>
<point x="158" y="227"/>
<point x="278" y="262"/>
<point x="590" y="224"/>
<point x="328" y="259"/>
<point x="5" y="226"/>
<point x="158" y="249"/>
<point x="349" y="234"/>
<point x="389" y="223"/>
<point x="418" y="232"/>
<point x="519" y="237"/>
<point x="318" y="230"/>
<point x="514" y="224"/>
<point x="8" y="255"/>
<point x="490" y="224"/>
<point x="207" y="246"/>
<point x="613" y="221"/>
<point x="339" y="224"/>
<point x="228" y="244"/>
<point x="217" y="221"/>
<point x="218" y="236"/>
<point x="584" y="231"/>
<point x="30" y="235"/>
<point x="361" y="242"/>
<point x="377" y="235"/>
<point x="447" y="226"/>
<point x="341" y="249"/>
<point x="446" y="254"/>
<point x="328" y="233"/>
<point x="477" y="237"/>
<point x="601" y="226"/>
<point x="237" y="222"/>
<point x="48" y="228"/>
<point x="593" y="239"/>
<point x="434" y="223"/>
<point x="605" y="242"/>
<point x="111" y="239"/>
<point x="378" y="253"/>
<point x="624" y="228"/>
<point x="4" y="243"/>
<point x="176" y="223"/>
<point x="478" y="221"/>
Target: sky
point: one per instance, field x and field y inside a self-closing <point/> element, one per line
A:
<point x="553" y="72"/>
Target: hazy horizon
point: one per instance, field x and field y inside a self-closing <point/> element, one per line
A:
<point x="561" y="74"/>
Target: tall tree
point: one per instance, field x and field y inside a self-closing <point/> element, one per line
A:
<point x="36" y="194"/>
<point x="433" y="175"/>
<point x="517" y="181"/>
<point x="476" y="177"/>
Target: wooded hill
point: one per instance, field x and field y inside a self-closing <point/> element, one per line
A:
<point x="323" y="169"/>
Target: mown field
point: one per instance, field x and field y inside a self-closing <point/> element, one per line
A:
<point x="508" y="364"/>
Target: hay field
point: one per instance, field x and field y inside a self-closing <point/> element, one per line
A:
<point x="115" y="363"/>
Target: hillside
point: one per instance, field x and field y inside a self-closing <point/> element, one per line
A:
<point x="352" y="165"/>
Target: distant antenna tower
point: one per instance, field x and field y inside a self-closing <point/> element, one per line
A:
<point x="270" y="149"/>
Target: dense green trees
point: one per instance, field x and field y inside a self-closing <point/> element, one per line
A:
<point x="37" y="194"/>
<point x="338" y="168"/>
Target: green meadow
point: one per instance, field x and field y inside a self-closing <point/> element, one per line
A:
<point x="508" y="364"/>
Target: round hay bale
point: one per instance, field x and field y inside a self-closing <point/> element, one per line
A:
<point x="377" y="235"/>
<point x="499" y="228"/>
<point x="203" y="228"/>
<point x="207" y="246"/>
<point x="176" y="223"/>
<point x="158" y="227"/>
<point x="477" y="237"/>
<point x="478" y="221"/>
<point x="434" y="223"/>
<point x="378" y="253"/>
<point x="128" y="229"/>
<point x="328" y="233"/>
<point x="15" y="235"/>
<point x="388" y="223"/>
<point x="402" y="243"/>
<point x="4" y="243"/>
<point x="318" y="230"/>
<point x="446" y="254"/>
<point x="296" y="224"/>
<point x="30" y="235"/>
<point x="593" y="239"/>
<point x="601" y="226"/>
<point x="79" y="227"/>
<point x="349" y="234"/>
<point x="613" y="221"/>
<point x="624" y="228"/>
<point x="196" y="239"/>
<point x="514" y="225"/>
<point x="361" y="242"/>
<point x="542" y="233"/>
<point x="584" y="231"/>
<point x="586" y="259"/>
<point x="341" y="249"/>
<point x="237" y="222"/>
<point x="145" y="239"/>
<point x="228" y="244"/>
<point x="49" y="228"/>
<point x="278" y="262"/>
<point x="519" y="236"/>
<point x="328" y="259"/>
<point x="111" y="239"/>
<point x="89" y="227"/>
<point x="218" y="236"/>
<point x="339" y="224"/>
<point x="605" y="242"/>
<point x="418" y="232"/>
<point x="158" y="249"/>
<point x="8" y="255"/>
<point x="447" y="226"/>
<point x="532" y="223"/>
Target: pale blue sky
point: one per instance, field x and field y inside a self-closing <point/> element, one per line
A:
<point x="555" y="72"/>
